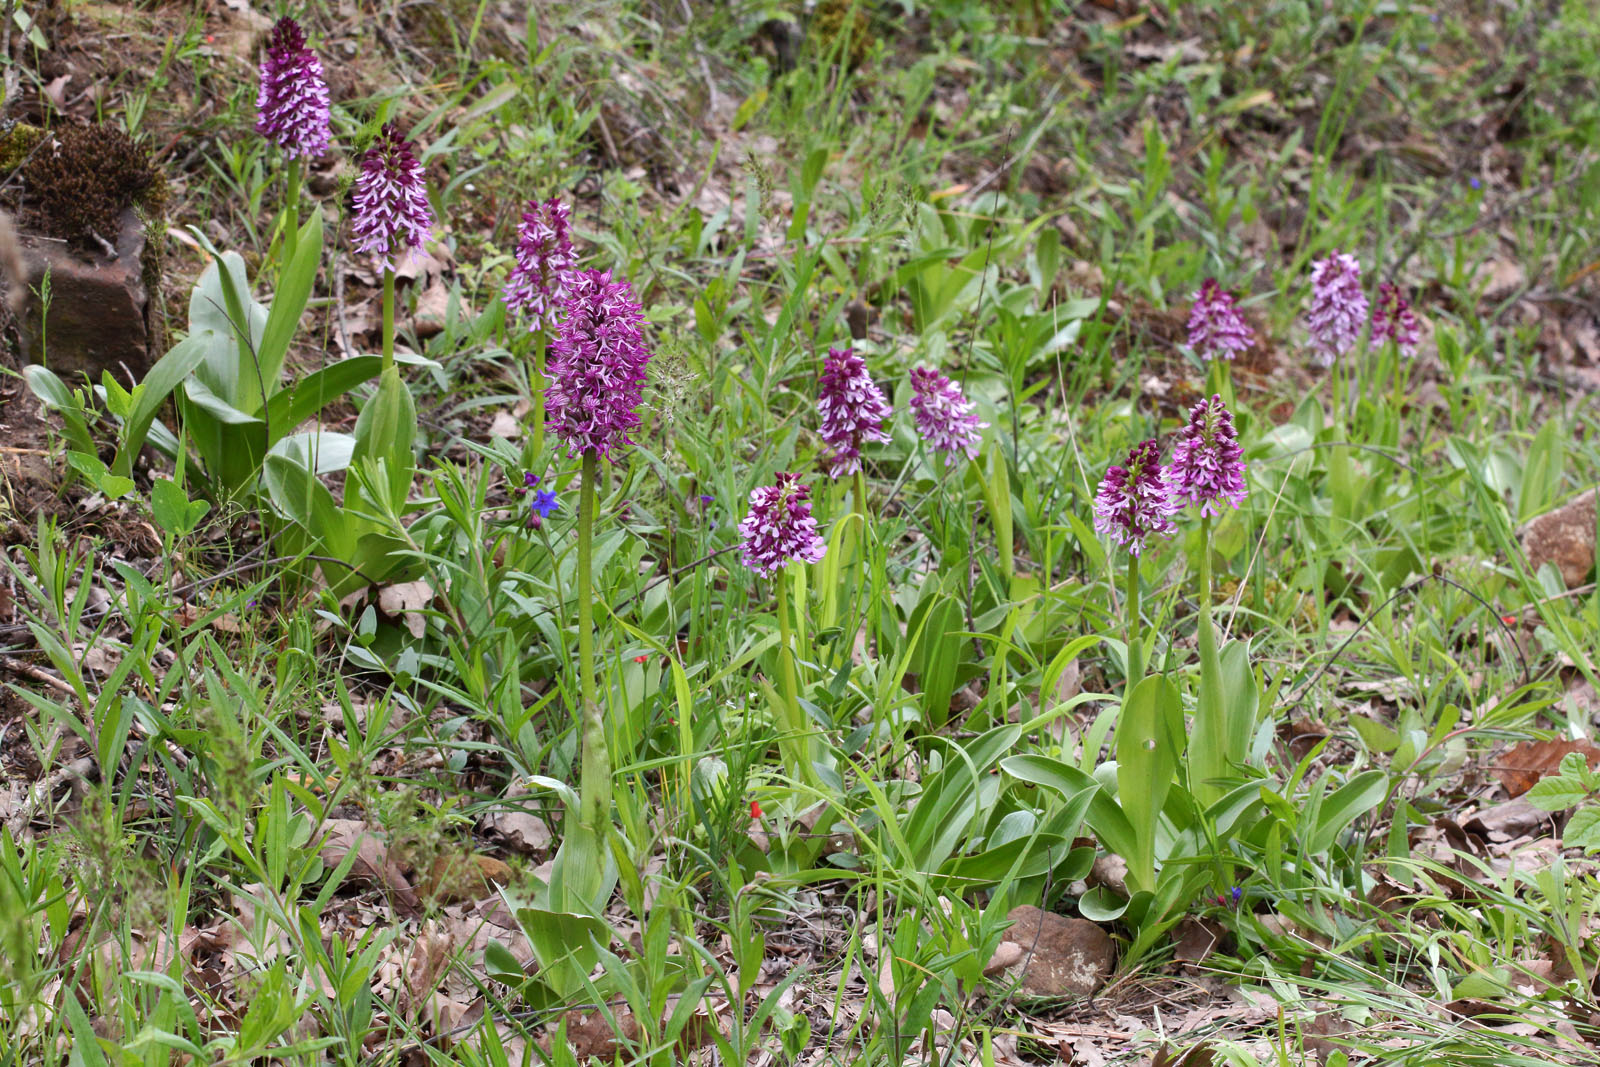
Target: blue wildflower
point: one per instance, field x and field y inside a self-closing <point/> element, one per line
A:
<point x="544" y="502"/>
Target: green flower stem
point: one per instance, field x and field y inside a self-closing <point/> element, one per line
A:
<point x="594" y="782"/>
<point x="540" y="347"/>
<point x="1400" y="375"/>
<point x="291" y="211"/>
<point x="1211" y="719"/>
<point x="796" y="742"/>
<point x="1135" y="637"/>
<point x="861" y="578"/>
<point x="388" y="318"/>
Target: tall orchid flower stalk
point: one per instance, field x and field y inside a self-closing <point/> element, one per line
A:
<point x="1217" y="332"/>
<point x="778" y="530"/>
<point x="597" y="375"/>
<point x="944" y="419"/>
<point x="1132" y="506"/>
<point x="536" y="290"/>
<point x="852" y="410"/>
<point x="1207" y="469"/>
<point x="392" y="220"/>
<point x="1394" y="327"/>
<point x="292" y="112"/>
<point x="1337" y="313"/>
<point x="392" y="215"/>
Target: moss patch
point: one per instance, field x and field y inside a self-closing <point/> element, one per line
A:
<point x="16" y="143"/>
<point x="83" y="184"/>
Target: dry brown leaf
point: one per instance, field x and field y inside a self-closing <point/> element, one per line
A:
<point x="373" y="862"/>
<point x="1197" y="938"/>
<point x="505" y="425"/>
<point x="455" y="878"/>
<point x="1522" y="767"/>
<point x="430" y="955"/>
<point x="406" y="600"/>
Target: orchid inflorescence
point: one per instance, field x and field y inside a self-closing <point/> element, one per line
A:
<point x="853" y="410"/>
<point x="597" y="366"/>
<point x="1338" y="307"/>
<point x="292" y="106"/>
<point x="1138" y="499"/>
<point x="538" y="285"/>
<point x="392" y="214"/>
<point x="943" y="414"/>
<point x="1217" y="329"/>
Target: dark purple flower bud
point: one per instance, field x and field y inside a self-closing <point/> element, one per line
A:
<point x="1132" y="504"/>
<point x="292" y="106"/>
<point x="780" y="527"/>
<point x="1392" y="320"/>
<point x="853" y="409"/>
<point x="597" y="366"/>
<point x="1207" y="463"/>
<point x="392" y="214"/>
<point x="1338" y="307"/>
<point x="529" y="479"/>
<point x="1216" y="328"/>
<point x="943" y="413"/>
<point x="537" y="285"/>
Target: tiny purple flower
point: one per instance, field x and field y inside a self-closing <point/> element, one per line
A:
<point x="944" y="414"/>
<point x="392" y="214"/>
<point x="1207" y="463"/>
<point x="544" y="502"/>
<point x="537" y="285"/>
<point x="1475" y="183"/>
<point x="1216" y="328"/>
<point x="1338" y="307"/>
<point x="706" y="500"/>
<point x="292" y="106"/>
<point x="780" y="528"/>
<point x="597" y="365"/>
<point x="1393" y="320"/>
<point x="853" y="409"/>
<point x="529" y="479"/>
<point x="1132" y="504"/>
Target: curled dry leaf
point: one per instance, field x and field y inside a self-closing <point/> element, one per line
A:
<point x="1522" y="767"/>
<point x="373" y="863"/>
<point x="406" y="600"/>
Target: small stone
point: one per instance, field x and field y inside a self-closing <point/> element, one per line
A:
<point x="1006" y="954"/>
<point x="99" y="315"/>
<point x="1563" y="537"/>
<point x="1061" y="956"/>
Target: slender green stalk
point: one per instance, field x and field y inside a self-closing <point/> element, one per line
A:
<point x="796" y="742"/>
<point x="1135" y="636"/>
<point x="1400" y="376"/>
<point x="388" y="319"/>
<point x="540" y="346"/>
<point x="1211" y="718"/>
<point x="860" y="578"/>
<point x="594" y="781"/>
<point x="291" y="210"/>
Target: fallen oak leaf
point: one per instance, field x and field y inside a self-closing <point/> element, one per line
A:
<point x="372" y="862"/>
<point x="1520" y="769"/>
